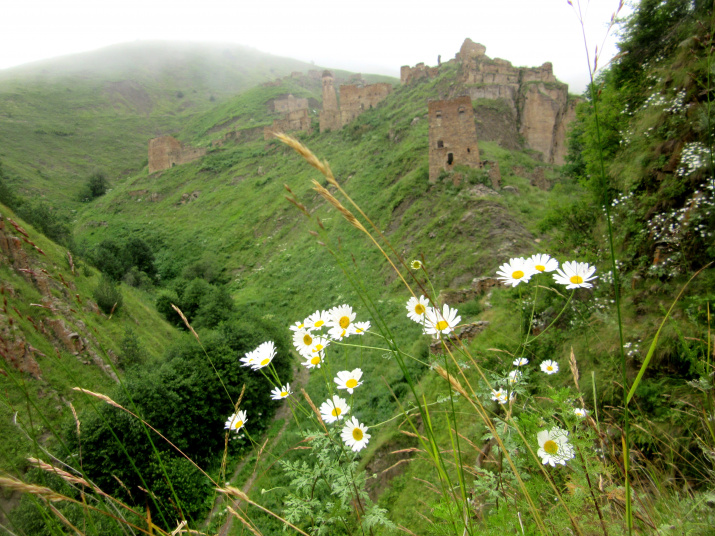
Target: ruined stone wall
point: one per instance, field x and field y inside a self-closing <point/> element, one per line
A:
<point x="539" y="101"/>
<point x="354" y="100"/>
<point x="452" y="136"/>
<point x="418" y="72"/>
<point x="297" y="120"/>
<point x="167" y="151"/>
<point x="289" y="104"/>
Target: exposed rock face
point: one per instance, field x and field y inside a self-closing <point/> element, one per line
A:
<point x="452" y="136"/>
<point x="167" y="151"/>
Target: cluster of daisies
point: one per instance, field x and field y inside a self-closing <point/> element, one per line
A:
<point x="311" y="338"/>
<point x="434" y="321"/>
<point x="553" y="444"/>
<point x="572" y="274"/>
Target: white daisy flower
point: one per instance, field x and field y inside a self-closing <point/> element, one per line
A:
<point x="515" y="271"/>
<point x="250" y="359"/>
<point x="297" y="326"/>
<point x="514" y="376"/>
<point x="278" y="393"/>
<point x="355" y="434"/>
<point x="317" y="320"/>
<point x="437" y="322"/>
<point x="575" y="275"/>
<point x="236" y="421"/>
<point x="303" y="342"/>
<point x="361" y="327"/>
<point x="520" y="361"/>
<point x="500" y="396"/>
<point x="263" y="355"/>
<point x="543" y="263"/>
<point x="416" y="308"/>
<point x="416" y="265"/>
<point x="554" y="446"/>
<point x="580" y="412"/>
<point x="549" y="366"/>
<point x="314" y="357"/>
<point x="334" y="409"/>
<point x="341" y="317"/>
<point x="349" y="380"/>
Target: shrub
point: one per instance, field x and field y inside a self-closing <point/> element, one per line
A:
<point x="96" y="186"/>
<point x="108" y="295"/>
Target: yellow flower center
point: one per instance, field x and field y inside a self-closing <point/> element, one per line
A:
<point x="319" y="323"/>
<point x="549" y="367"/>
<point x="420" y="309"/>
<point x="352" y="382"/>
<point x="284" y="394"/>
<point x="551" y="447"/>
<point x="318" y="348"/>
<point x="336" y="412"/>
<point x="442" y="325"/>
<point x="238" y="425"/>
<point x="344" y="322"/>
<point x="315" y="360"/>
<point x="576" y="279"/>
<point x="540" y="267"/>
<point x="265" y="361"/>
<point x="357" y="434"/>
<point x="307" y="339"/>
<point x="517" y="274"/>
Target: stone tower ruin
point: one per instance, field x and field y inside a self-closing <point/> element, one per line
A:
<point x="330" y="115"/>
<point x="166" y="152"/>
<point x="452" y="136"/>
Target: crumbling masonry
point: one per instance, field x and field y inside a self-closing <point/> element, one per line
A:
<point x="452" y="136"/>
<point x="167" y="151"/>
<point x="354" y="100"/>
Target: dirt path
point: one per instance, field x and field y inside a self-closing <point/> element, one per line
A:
<point x="300" y="379"/>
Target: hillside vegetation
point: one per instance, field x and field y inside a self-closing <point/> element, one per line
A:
<point x="580" y="410"/>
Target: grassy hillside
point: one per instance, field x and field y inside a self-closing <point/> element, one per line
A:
<point x="55" y="338"/>
<point x="62" y="119"/>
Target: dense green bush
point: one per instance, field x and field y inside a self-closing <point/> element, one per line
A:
<point x="108" y="295"/>
<point x="96" y="186"/>
<point x="187" y="398"/>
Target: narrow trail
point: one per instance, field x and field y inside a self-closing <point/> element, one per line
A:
<point x="299" y="381"/>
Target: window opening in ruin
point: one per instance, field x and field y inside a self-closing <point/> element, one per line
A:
<point x="461" y="112"/>
<point x="450" y="158"/>
<point x="438" y="113"/>
<point x="173" y="164"/>
<point x="469" y="150"/>
<point x="440" y="144"/>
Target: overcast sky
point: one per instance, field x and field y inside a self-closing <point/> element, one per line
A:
<point x="375" y="36"/>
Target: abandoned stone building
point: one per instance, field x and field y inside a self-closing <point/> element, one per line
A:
<point x="289" y="104"/>
<point x="167" y="151"/>
<point x="538" y="107"/>
<point x="330" y="114"/>
<point x="295" y="120"/>
<point x="452" y="136"/>
<point x="354" y="100"/>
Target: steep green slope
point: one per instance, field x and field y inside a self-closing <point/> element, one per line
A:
<point x="62" y="119"/>
<point x="53" y="338"/>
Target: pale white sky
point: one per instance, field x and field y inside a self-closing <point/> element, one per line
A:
<point x="375" y="36"/>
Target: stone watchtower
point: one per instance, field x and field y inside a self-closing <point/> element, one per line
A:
<point x="452" y="136"/>
<point x="330" y="115"/>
